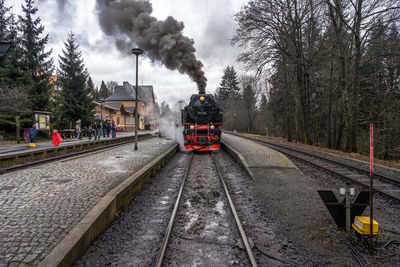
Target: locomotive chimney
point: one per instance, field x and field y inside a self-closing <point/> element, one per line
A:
<point x="202" y="90"/>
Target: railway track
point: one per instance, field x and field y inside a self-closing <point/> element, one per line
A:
<point x="167" y="236"/>
<point x="383" y="185"/>
<point x="65" y="156"/>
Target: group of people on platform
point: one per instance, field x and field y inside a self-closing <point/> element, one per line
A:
<point x="93" y="129"/>
<point x="96" y="128"/>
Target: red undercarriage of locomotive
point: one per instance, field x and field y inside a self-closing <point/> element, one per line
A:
<point x="202" y="137"/>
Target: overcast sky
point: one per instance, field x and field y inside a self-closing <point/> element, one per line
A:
<point x="208" y="22"/>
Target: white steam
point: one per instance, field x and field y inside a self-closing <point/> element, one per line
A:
<point x="172" y="129"/>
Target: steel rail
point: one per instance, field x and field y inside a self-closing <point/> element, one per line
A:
<point x="376" y="175"/>
<point x="338" y="173"/>
<point x="238" y="223"/>
<point x="161" y="254"/>
<point x="60" y="157"/>
<point x="286" y="150"/>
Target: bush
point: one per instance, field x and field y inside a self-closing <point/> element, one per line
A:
<point x="8" y="126"/>
<point x="7" y="123"/>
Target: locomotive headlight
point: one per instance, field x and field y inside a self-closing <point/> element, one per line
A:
<point x="212" y="127"/>
<point x="191" y="127"/>
<point x="201" y="98"/>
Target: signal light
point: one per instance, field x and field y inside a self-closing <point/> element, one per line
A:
<point x="191" y="127"/>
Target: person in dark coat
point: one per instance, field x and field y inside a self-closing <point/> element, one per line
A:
<point x="113" y="130"/>
<point x="90" y="130"/>
<point x="33" y="133"/>
<point x="108" y="125"/>
<point x="96" y="131"/>
<point x="104" y="124"/>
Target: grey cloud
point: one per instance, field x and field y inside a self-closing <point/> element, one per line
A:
<point x="65" y="10"/>
<point x="60" y="4"/>
<point x="130" y="22"/>
<point x="219" y="30"/>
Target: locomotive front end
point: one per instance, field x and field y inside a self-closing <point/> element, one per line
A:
<point x="202" y="120"/>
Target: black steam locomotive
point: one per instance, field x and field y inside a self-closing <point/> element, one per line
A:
<point x="202" y="120"/>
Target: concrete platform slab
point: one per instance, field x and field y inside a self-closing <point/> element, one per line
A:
<point x="257" y="155"/>
<point x="9" y="148"/>
<point x="39" y="206"/>
<point x="284" y="187"/>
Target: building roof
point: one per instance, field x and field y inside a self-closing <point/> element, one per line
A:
<point x="126" y="92"/>
<point x="99" y="117"/>
<point x="114" y="106"/>
<point x="4" y="47"/>
<point x="130" y="109"/>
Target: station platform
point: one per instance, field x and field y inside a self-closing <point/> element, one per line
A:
<point x="10" y="148"/>
<point x="39" y="206"/>
<point x="283" y="186"/>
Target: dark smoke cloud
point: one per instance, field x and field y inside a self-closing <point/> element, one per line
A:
<point x="129" y="21"/>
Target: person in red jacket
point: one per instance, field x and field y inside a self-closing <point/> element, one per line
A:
<point x="57" y="139"/>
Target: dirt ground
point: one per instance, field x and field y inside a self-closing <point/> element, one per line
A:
<point x="298" y="207"/>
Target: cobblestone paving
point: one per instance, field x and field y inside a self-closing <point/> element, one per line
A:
<point x="39" y="206"/>
<point x="257" y="156"/>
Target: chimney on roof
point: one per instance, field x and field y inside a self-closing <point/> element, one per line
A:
<point x="126" y="84"/>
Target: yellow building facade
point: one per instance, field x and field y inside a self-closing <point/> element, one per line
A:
<point x="120" y="107"/>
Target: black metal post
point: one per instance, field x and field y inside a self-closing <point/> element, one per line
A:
<point x="348" y="208"/>
<point x="136" y="101"/>
<point x="101" y="116"/>
<point x="137" y="52"/>
<point x="371" y="197"/>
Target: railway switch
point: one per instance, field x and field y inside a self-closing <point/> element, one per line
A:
<point x="338" y="209"/>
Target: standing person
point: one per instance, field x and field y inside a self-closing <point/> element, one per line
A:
<point x="90" y="131"/>
<point x="98" y="130"/>
<point x="33" y="133"/>
<point x="57" y="139"/>
<point x="113" y="135"/>
<point x="78" y="129"/>
<point x="95" y="130"/>
<point x="108" y="128"/>
<point x="104" y="123"/>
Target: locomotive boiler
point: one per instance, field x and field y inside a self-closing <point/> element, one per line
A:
<point x="202" y="120"/>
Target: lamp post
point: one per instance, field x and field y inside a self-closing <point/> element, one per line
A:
<point x="101" y="114"/>
<point x="137" y="52"/>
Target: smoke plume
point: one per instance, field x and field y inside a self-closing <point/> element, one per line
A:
<point x="129" y="22"/>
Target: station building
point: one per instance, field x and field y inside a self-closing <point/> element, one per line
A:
<point x="120" y="107"/>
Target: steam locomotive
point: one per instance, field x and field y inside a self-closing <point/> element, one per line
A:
<point x="202" y="120"/>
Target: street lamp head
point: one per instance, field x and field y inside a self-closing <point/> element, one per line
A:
<point x="137" y="51"/>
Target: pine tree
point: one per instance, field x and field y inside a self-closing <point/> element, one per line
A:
<point x="103" y="92"/>
<point x="229" y="86"/>
<point x="249" y="104"/>
<point x="11" y="70"/>
<point x="92" y="90"/>
<point x="4" y="21"/>
<point x="165" y="109"/>
<point x="35" y="60"/>
<point x="111" y="87"/>
<point x="74" y="101"/>
<point x="11" y="75"/>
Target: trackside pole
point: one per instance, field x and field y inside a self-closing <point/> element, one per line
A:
<point x="371" y="169"/>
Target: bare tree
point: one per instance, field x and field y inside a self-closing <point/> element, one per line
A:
<point x="360" y="17"/>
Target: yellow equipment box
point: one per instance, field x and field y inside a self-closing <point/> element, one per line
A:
<point x="362" y="226"/>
